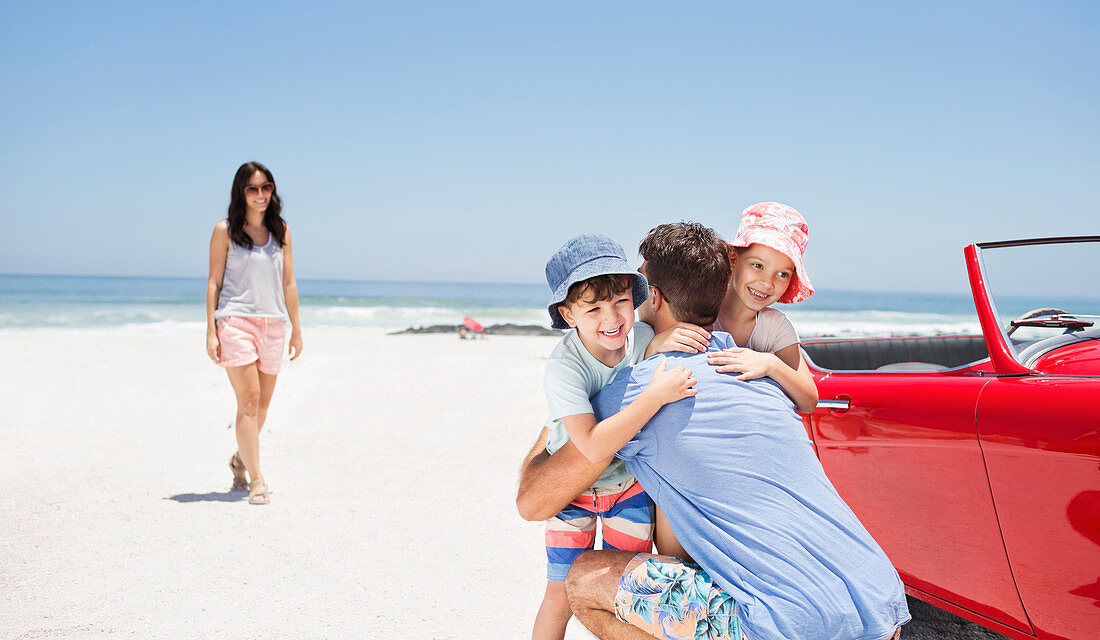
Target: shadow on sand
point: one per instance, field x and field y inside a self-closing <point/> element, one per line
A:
<point x="213" y="496"/>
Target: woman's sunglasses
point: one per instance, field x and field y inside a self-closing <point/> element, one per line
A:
<point x="252" y="190"/>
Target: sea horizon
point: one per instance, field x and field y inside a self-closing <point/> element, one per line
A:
<point x="539" y="283"/>
<point x="177" y="304"/>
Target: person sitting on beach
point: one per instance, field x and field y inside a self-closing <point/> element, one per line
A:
<point x="766" y="257"/>
<point x="594" y="291"/>
<point x="780" y="555"/>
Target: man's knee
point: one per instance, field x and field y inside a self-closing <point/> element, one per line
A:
<point x="593" y="579"/>
<point x="580" y="577"/>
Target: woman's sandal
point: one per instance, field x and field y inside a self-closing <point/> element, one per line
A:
<point x="240" y="480"/>
<point x="257" y="493"/>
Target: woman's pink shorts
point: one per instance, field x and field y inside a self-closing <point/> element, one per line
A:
<point x="247" y="340"/>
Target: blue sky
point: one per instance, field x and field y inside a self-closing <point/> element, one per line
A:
<point x="467" y="141"/>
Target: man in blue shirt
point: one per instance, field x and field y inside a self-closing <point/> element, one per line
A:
<point x="733" y="472"/>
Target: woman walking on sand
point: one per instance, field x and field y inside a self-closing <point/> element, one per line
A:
<point x="250" y="296"/>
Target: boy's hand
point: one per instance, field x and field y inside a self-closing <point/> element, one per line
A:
<point x="685" y="337"/>
<point x="672" y="385"/>
<point x="750" y="364"/>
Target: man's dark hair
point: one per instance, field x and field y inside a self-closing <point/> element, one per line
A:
<point x="689" y="265"/>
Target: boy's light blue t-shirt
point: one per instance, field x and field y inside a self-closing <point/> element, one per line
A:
<point x="573" y="376"/>
<point x="736" y="474"/>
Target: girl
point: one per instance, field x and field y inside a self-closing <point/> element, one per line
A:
<point x="766" y="260"/>
<point x="766" y="257"/>
<point x="250" y="296"/>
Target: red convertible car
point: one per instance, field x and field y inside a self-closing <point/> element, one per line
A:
<point x="974" y="460"/>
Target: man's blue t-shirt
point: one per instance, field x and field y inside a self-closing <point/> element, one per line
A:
<point x="737" y="477"/>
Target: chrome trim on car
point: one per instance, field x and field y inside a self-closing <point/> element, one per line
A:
<point x="1030" y="356"/>
<point x="832" y="404"/>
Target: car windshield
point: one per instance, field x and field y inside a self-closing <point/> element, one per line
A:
<point x="1044" y="290"/>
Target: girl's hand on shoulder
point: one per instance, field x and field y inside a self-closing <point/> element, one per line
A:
<point x="294" y="348"/>
<point x="750" y="364"/>
<point x="671" y="385"/>
<point x="685" y="337"/>
<point x="213" y="346"/>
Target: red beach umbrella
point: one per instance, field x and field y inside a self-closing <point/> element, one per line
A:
<point x="472" y="325"/>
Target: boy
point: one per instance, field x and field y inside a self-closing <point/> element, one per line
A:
<point x="595" y="292"/>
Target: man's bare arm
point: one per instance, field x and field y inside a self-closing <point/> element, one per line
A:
<point x="547" y="483"/>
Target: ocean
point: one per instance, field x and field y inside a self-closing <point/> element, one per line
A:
<point x="177" y="305"/>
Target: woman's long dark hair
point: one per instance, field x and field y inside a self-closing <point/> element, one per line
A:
<point x="238" y="207"/>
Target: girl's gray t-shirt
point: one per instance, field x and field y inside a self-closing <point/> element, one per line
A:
<point x="773" y="331"/>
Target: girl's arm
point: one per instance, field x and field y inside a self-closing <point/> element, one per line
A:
<point x="290" y="295"/>
<point x="219" y="248"/>
<point x="785" y="366"/>
<point x="796" y="379"/>
<point x="684" y="336"/>
<point x="599" y="441"/>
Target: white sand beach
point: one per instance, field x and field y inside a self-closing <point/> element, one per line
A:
<point x="392" y="461"/>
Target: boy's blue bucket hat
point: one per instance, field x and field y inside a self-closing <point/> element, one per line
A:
<point x="584" y="257"/>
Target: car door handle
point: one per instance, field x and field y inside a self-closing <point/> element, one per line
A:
<point x="835" y="405"/>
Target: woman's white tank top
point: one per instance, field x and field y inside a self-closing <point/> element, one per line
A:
<point x="252" y="286"/>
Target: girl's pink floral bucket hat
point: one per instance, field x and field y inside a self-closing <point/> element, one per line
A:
<point x="782" y="228"/>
